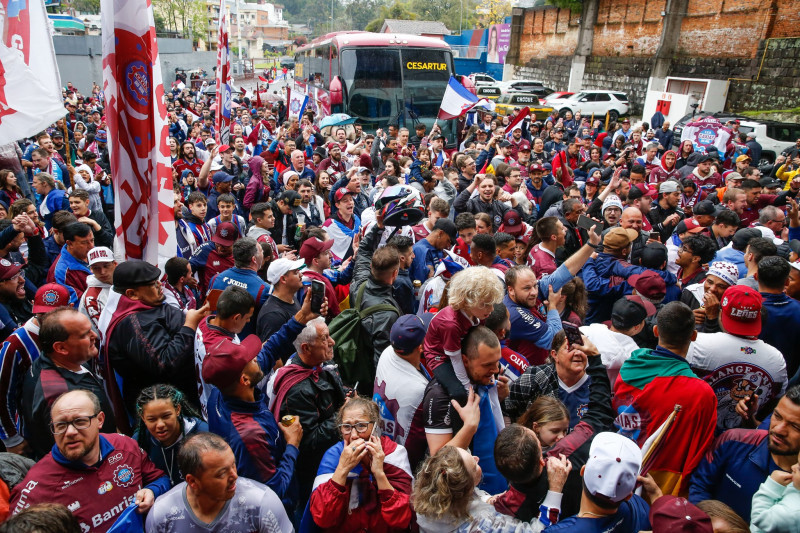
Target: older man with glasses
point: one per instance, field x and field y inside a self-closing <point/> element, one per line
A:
<point x="95" y="475"/>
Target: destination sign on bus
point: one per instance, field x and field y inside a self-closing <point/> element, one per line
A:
<point x="418" y="65"/>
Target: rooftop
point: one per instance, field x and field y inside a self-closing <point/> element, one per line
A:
<point x="414" y="27"/>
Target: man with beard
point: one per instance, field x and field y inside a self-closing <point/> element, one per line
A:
<point x="333" y="163"/>
<point x="15" y="309"/>
<point x="741" y="459"/>
<point x="705" y="177"/>
<point x="188" y="160"/>
<point x="665" y="215"/>
<point x="146" y="342"/>
<point x="81" y="457"/>
<point x="518" y="143"/>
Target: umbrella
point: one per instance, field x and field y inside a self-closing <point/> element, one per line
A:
<point x="337" y="119"/>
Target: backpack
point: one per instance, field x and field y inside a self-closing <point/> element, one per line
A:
<point x="353" y="349"/>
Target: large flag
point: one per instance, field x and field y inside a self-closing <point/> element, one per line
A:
<point x="137" y="131"/>
<point x="458" y="100"/>
<point x="705" y="133"/>
<point x="30" y="86"/>
<point x="516" y="122"/>
<point x="298" y="99"/>
<point x="223" y="122"/>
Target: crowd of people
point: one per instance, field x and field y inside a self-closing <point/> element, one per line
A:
<point x="552" y="326"/>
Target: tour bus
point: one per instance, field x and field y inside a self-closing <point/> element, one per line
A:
<point x="380" y="79"/>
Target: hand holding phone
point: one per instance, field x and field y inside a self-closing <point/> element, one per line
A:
<point x="317" y="296"/>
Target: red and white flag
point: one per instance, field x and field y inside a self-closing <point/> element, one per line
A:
<point x="30" y="86"/>
<point x="137" y="131"/>
<point x="223" y="117"/>
<point x="516" y="122"/>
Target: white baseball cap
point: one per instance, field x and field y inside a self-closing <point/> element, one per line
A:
<point x="100" y="254"/>
<point x="613" y="464"/>
<point x="280" y="267"/>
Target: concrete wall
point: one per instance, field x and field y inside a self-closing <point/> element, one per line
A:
<point x="80" y="59"/>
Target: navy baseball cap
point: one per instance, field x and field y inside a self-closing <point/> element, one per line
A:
<point x="406" y="334"/>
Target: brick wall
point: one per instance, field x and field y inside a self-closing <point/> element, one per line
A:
<point x="548" y="31"/>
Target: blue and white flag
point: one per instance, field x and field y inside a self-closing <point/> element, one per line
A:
<point x="458" y="100"/>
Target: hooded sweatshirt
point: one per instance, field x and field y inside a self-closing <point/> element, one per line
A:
<point x="664" y="172"/>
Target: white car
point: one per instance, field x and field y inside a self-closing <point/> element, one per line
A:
<point x="774" y="138"/>
<point x="596" y="103"/>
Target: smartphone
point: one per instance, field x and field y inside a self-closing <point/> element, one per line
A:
<point x="573" y="334"/>
<point x="317" y="295"/>
<point x="587" y="223"/>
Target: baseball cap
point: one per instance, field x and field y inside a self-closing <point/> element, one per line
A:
<point x="210" y="142"/>
<point x="669" y="186"/>
<point x="741" y="311"/>
<point x="626" y="121"/>
<point x="613" y="464"/>
<point x="504" y="144"/>
<point x="224" y="361"/>
<point x="280" y="267"/>
<point x="690" y="225"/>
<point x="704" y="159"/>
<point x="447" y="226"/>
<point x="407" y="333"/>
<point x="743" y="236"/>
<point x="290" y="197"/>
<point x="100" y="136"/>
<point x="704" y="207"/>
<point x="133" y="273"/>
<point x="225" y="235"/>
<point x="57" y="134"/>
<point x="794" y="245"/>
<point x="724" y="270"/>
<point x="676" y="514"/>
<point x="340" y="193"/>
<point x="649" y="284"/>
<point x="626" y="314"/>
<point x="100" y="254"/>
<point x="644" y="302"/>
<point x="537" y="167"/>
<point x="524" y="147"/>
<point x="224" y="148"/>
<point x="222" y="177"/>
<point x="8" y="269"/>
<point x="618" y="238"/>
<point x="743" y="157"/>
<point x="50" y="296"/>
<point x="733" y="176"/>
<point x="596" y="181"/>
<point x="770" y="183"/>
<point x="312" y="247"/>
<point x="512" y="223"/>
<point x="639" y="190"/>
<point x="751" y="135"/>
<point x="437" y="137"/>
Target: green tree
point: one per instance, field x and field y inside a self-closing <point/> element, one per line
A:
<point x="494" y="11"/>
<point x="91" y="7"/>
<point x="187" y="17"/>
<point x="398" y="10"/>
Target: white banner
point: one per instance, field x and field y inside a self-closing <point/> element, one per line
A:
<point x="30" y="85"/>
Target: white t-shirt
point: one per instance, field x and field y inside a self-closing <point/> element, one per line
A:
<point x="254" y="508"/>
<point x="398" y="391"/>
<point x="615" y="348"/>
<point x="737" y="367"/>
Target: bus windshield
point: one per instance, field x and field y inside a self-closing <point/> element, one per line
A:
<point x="403" y="86"/>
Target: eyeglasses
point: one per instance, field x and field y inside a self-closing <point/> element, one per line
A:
<point x="80" y="423"/>
<point x="361" y="427"/>
<point x="16" y="276"/>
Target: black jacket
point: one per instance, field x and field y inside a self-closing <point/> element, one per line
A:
<point x="496" y="209"/>
<point x="42" y="384"/>
<point x="316" y="404"/>
<point x="277" y="229"/>
<point x="378" y="324"/>
<point x="657" y="215"/>
<point x="105" y="236"/>
<point x="153" y="346"/>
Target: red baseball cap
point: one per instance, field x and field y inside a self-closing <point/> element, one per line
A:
<point x="50" y="296"/>
<point x="646" y="191"/>
<point x="224" y="362"/>
<point x="312" y="247"/>
<point x="741" y="311"/>
<point x="340" y="193"/>
<point x="225" y="235"/>
<point x="537" y="166"/>
<point x="649" y="284"/>
<point x="8" y="269"/>
<point x="512" y="223"/>
<point x="222" y="148"/>
<point x="677" y="515"/>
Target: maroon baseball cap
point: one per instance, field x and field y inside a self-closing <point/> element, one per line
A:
<point x="312" y="247"/>
<point x="50" y="296"/>
<point x="646" y="191"/>
<point x="512" y="223"/>
<point x="675" y="514"/>
<point x="524" y="146"/>
<point x="741" y="311"/>
<point x="649" y="284"/>
<point x="225" y="235"/>
<point x="224" y="362"/>
<point x="8" y="269"/>
<point x="593" y="180"/>
<point x="537" y="166"/>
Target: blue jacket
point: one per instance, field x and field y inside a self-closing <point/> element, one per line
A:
<point x="606" y="282"/>
<point x="782" y="328"/>
<point x="249" y="281"/>
<point x="425" y="255"/>
<point x="731" y="472"/>
<point x="732" y="256"/>
<point x="56" y="200"/>
<point x="63" y="273"/>
<point x="250" y="428"/>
